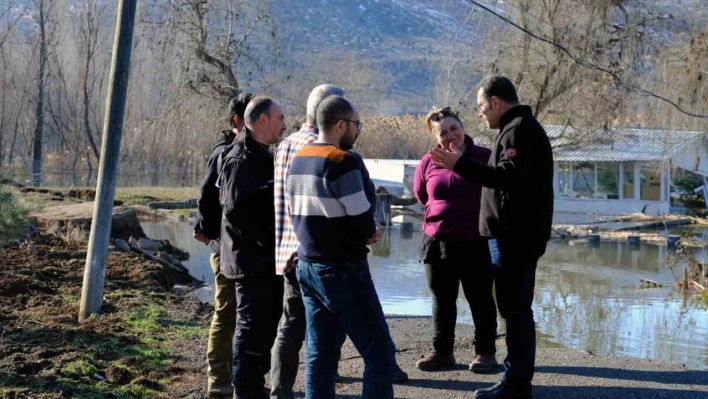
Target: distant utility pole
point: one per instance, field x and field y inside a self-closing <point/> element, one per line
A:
<point x="95" y="270"/>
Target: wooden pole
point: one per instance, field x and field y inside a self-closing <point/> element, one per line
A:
<point x="95" y="270"/>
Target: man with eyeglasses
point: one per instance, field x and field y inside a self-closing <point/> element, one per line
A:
<point x="516" y="214"/>
<point x="332" y="221"/>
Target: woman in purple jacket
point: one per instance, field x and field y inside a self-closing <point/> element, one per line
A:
<point x="453" y="250"/>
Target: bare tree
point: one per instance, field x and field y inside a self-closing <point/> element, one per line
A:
<point x="43" y="10"/>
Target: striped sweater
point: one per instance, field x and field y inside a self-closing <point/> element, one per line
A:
<point x="328" y="205"/>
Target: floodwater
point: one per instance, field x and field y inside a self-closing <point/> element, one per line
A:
<point x="586" y="297"/>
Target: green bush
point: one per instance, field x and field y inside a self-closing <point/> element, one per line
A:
<point x="13" y="223"/>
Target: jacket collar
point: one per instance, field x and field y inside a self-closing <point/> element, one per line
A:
<point x="245" y="143"/>
<point x="512" y="113"/>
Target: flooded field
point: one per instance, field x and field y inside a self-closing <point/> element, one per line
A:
<point x="586" y="297"/>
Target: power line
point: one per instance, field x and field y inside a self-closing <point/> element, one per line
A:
<point x="589" y="65"/>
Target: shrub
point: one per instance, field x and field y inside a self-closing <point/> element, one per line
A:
<point x="13" y="223"/>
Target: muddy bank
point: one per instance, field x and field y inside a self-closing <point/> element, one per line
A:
<point x="127" y="352"/>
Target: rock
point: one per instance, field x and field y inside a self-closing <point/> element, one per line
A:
<point x="165" y="256"/>
<point x="122" y="245"/>
<point x="149" y="245"/>
<point x="132" y="241"/>
<point x="180" y="289"/>
<point x="176" y="252"/>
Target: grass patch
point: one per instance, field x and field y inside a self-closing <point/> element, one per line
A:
<point x="703" y="298"/>
<point x="143" y="195"/>
<point x="146" y="320"/>
<point x="78" y="368"/>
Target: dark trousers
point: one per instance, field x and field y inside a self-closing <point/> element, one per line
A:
<point x="288" y="342"/>
<point x="340" y="298"/>
<point x="447" y="264"/>
<point x="259" y="306"/>
<point x="515" y="279"/>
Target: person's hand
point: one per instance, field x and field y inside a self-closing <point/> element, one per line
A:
<point x="291" y="263"/>
<point x="446" y="159"/>
<point x="374" y="238"/>
<point x="201" y="238"/>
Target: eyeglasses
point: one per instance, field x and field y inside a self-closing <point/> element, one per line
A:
<point x="359" y="124"/>
<point x="443" y="113"/>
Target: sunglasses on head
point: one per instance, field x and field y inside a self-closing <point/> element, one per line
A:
<point x="443" y="113"/>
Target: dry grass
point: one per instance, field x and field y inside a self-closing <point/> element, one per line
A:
<point x="405" y="137"/>
<point x="391" y="137"/>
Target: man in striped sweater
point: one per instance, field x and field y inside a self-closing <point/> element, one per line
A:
<point x="331" y="219"/>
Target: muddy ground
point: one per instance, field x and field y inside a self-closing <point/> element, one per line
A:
<point x="134" y="349"/>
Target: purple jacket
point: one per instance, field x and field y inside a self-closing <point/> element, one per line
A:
<point x="451" y="203"/>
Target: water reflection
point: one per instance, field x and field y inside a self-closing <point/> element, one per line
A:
<point x="587" y="297"/>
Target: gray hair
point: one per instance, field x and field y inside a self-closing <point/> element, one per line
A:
<point x="318" y="94"/>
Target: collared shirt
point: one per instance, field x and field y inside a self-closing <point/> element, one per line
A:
<point x="286" y="242"/>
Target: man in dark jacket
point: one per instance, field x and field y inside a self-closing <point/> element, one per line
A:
<point x="248" y="243"/>
<point x="516" y="214"/>
<point x="207" y="229"/>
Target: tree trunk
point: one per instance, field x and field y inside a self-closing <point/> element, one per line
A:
<point x="39" y="129"/>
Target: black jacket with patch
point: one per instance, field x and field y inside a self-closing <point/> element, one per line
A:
<point x="208" y="220"/>
<point x="517" y="194"/>
<point x="246" y="184"/>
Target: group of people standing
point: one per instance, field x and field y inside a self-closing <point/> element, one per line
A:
<point x="289" y="232"/>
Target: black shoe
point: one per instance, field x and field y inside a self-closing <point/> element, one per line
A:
<point x="399" y="376"/>
<point x="502" y="391"/>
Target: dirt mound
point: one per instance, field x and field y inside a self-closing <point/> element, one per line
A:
<point x="46" y="353"/>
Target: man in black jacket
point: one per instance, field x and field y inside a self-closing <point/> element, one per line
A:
<point x="516" y="214"/>
<point x="207" y="229"/>
<point x="248" y="243"/>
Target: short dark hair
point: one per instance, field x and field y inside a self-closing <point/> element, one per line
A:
<point x="257" y="106"/>
<point x="500" y="87"/>
<point x="332" y="110"/>
<point x="237" y="106"/>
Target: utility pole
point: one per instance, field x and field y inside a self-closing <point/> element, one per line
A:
<point x="95" y="270"/>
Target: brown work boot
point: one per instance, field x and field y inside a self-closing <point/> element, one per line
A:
<point x="483" y="363"/>
<point x="433" y="361"/>
<point x="220" y="391"/>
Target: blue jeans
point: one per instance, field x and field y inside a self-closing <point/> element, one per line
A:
<point x="515" y="279"/>
<point x="340" y="297"/>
